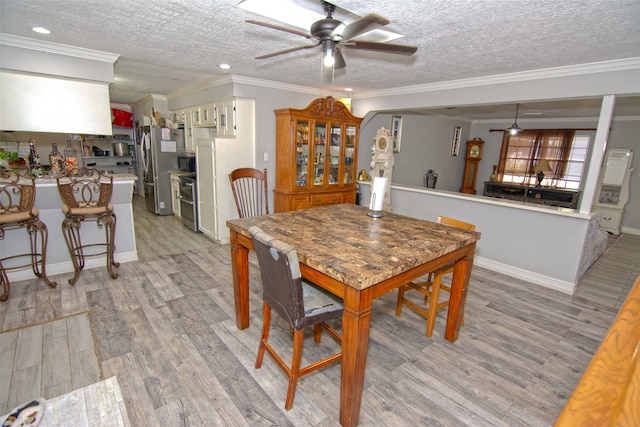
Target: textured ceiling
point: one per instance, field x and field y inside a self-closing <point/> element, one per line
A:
<point x="166" y="45"/>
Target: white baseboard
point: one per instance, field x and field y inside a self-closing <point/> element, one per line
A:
<point x="629" y="230"/>
<point x="529" y="276"/>
<point x="67" y="267"/>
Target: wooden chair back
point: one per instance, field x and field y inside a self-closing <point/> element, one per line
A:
<point x="250" y="191"/>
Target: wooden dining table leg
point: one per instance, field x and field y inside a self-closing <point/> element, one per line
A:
<point x="458" y="296"/>
<point x="240" y="272"/>
<point x="355" y="340"/>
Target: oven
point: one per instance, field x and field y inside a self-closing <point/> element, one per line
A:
<point x="189" y="202"/>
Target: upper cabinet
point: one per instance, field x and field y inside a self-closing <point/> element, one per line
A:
<point x="316" y="150"/>
<point x="226" y="114"/>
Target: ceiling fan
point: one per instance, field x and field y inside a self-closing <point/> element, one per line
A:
<point x="332" y="35"/>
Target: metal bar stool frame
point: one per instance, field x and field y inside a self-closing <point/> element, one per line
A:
<point x="86" y="194"/>
<point x="17" y="199"/>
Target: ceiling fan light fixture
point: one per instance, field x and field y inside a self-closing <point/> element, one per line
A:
<point x="515" y="129"/>
<point x="328" y="53"/>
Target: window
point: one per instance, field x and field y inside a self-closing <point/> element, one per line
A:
<point x="565" y="152"/>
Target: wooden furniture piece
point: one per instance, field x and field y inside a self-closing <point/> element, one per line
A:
<point x="250" y="191"/>
<point x="607" y="394"/>
<point x="316" y="153"/>
<point x="432" y="286"/>
<point x="297" y="301"/>
<point x="17" y="196"/>
<point x="472" y="158"/>
<point x="612" y="192"/>
<point x="86" y="194"/>
<point x="563" y="197"/>
<point x="358" y="269"/>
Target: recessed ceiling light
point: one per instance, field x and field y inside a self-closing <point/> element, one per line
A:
<point x="41" y="30"/>
<point x="224" y="66"/>
<point x="348" y="89"/>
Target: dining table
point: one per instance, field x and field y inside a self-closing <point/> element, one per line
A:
<point x="358" y="258"/>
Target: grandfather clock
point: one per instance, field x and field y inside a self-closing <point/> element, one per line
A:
<point x="472" y="158"/>
<point x="382" y="162"/>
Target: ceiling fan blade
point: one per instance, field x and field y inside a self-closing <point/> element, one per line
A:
<point x="360" y="26"/>
<point x="339" y="61"/>
<point x="281" y="28"/>
<point x="282" y="52"/>
<point x="382" y="47"/>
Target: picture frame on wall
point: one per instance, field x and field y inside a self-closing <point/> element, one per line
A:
<point x="396" y="132"/>
<point x="455" y="143"/>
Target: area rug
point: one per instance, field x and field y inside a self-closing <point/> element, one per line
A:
<point x="99" y="404"/>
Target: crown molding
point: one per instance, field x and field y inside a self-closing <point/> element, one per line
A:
<point x="57" y="48"/>
<point x="252" y="81"/>
<point x="566" y="71"/>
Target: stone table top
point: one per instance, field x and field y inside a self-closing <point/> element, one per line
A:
<point x="344" y="243"/>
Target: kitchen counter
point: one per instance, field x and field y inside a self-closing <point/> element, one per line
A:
<point x="49" y="203"/>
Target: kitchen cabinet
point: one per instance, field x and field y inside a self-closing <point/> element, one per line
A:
<point x="215" y="159"/>
<point x="188" y="132"/>
<point x="316" y="152"/>
<point x="209" y="116"/>
<point x="226" y="118"/>
<point x="177" y="117"/>
<point x="175" y="192"/>
<point x="196" y="116"/>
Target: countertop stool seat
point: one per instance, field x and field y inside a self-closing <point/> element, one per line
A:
<point x="17" y="197"/>
<point x="86" y="194"/>
<point x="431" y="288"/>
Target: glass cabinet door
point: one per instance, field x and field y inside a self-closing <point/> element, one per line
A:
<point x="334" y="155"/>
<point x="302" y="152"/>
<point x="320" y="154"/>
<point x="349" y="154"/>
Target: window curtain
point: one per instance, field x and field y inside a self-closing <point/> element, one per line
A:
<point x="521" y="153"/>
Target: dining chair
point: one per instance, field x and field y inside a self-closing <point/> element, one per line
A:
<point x="17" y="211"/>
<point x="432" y="286"/>
<point x="86" y="194"/>
<point x="297" y="301"/>
<point x="250" y="191"/>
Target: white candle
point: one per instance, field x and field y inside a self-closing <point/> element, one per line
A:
<point x="377" y="193"/>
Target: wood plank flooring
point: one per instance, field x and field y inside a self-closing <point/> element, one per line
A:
<point x="166" y="329"/>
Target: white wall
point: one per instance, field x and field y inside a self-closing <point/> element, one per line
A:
<point x="425" y="144"/>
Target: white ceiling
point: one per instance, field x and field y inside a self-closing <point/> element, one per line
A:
<point x="167" y="45"/>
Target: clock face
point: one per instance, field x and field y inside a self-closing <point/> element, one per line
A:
<point x="382" y="143"/>
<point x="474" y="151"/>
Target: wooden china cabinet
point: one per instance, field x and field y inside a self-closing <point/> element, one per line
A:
<point x="316" y="153"/>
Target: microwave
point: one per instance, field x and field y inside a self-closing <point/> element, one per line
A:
<point x="187" y="163"/>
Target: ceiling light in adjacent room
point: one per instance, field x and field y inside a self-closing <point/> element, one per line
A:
<point x="514" y="129"/>
<point x="224" y="66"/>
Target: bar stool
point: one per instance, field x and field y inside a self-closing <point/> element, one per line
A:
<point x="86" y="194"/>
<point x="17" y="197"/>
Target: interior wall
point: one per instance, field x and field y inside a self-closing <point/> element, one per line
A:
<point x="425" y="144"/>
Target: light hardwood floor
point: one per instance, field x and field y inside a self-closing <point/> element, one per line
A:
<point x="166" y="329"/>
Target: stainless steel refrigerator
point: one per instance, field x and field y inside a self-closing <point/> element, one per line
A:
<point x="159" y="148"/>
